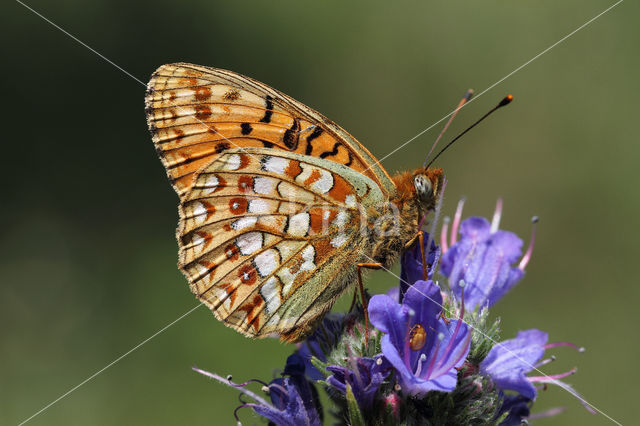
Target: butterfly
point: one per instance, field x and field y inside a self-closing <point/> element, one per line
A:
<point x="280" y="207"/>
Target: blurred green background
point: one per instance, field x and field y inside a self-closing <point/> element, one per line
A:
<point x="87" y="250"/>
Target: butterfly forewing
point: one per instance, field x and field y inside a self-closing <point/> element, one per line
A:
<point x="196" y="113"/>
<point x="268" y="239"/>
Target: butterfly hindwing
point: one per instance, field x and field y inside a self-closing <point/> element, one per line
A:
<point x="268" y="239"/>
<point x="195" y="113"/>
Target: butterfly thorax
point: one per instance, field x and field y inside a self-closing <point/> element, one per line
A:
<point x="398" y="222"/>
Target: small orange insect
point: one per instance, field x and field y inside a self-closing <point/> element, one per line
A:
<point x="417" y="337"/>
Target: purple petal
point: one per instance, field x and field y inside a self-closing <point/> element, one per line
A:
<point x="475" y="228"/>
<point x="394" y="293"/>
<point x="391" y="353"/>
<point x="523" y="352"/>
<point x="425" y="299"/>
<point x="364" y="378"/>
<point x="454" y="347"/>
<point x="389" y="317"/>
<point x="508" y="362"/>
<point x="338" y="383"/>
<point x="276" y="416"/>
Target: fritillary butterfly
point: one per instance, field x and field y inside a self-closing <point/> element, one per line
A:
<point x="279" y="206"/>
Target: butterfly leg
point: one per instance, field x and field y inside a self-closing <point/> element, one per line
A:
<point x="375" y="265"/>
<point x="419" y="236"/>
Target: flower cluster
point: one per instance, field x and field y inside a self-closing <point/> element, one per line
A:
<point x="433" y="356"/>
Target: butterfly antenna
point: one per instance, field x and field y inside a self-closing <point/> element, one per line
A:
<point x="463" y="101"/>
<point x="506" y="101"/>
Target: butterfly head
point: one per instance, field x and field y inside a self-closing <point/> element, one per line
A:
<point x="428" y="184"/>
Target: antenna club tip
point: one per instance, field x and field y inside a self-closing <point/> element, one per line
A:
<point x="535" y="219"/>
<point x="507" y="99"/>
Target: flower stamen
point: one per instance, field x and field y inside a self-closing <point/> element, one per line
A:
<point x="443" y="234"/>
<point x="421" y="360"/>
<point x="235" y="413"/>
<point x="456" y="221"/>
<point x="497" y="214"/>
<point x="580" y="349"/>
<point x="456" y="331"/>
<point x="434" y="358"/>
<point x="553" y="377"/>
<point x="545" y="361"/>
<point x="278" y="387"/>
<point x="527" y="256"/>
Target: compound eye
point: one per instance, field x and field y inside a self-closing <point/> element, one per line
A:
<point x="423" y="186"/>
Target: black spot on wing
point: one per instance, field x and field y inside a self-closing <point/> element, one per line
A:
<point x="269" y="112"/>
<point x="292" y="135"/>
<point x="246" y="128"/>
<point x="317" y="131"/>
<point x="348" y="163"/>
<point x="333" y="152"/>
<point x="222" y="146"/>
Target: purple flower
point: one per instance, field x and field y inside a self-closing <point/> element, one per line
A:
<point x="508" y="363"/>
<point x="484" y="259"/>
<point x="411" y="262"/>
<point x="518" y="408"/>
<point x="424" y="349"/>
<point x="365" y="377"/>
<point x="294" y="399"/>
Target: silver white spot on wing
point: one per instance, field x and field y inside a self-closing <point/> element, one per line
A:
<point x="339" y="240"/>
<point x="199" y="212"/>
<point x="267" y="262"/>
<point x="196" y="239"/>
<point x="211" y="184"/>
<point x="249" y="243"/>
<point x="288" y="277"/>
<point x="264" y="185"/>
<point x="275" y="165"/>
<point x="350" y="201"/>
<point x="231" y="162"/>
<point x="308" y="255"/>
<point x="270" y="292"/>
<point x="341" y="219"/>
<point x="259" y="206"/>
<point x="298" y="225"/>
<point x="244" y="222"/>
<point x="221" y="294"/>
<point x="321" y="184"/>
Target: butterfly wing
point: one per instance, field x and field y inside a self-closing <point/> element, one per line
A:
<point x="269" y="239"/>
<point x="195" y="113"/>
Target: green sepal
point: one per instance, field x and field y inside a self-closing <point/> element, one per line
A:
<point x="320" y="366"/>
<point x="355" y="416"/>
